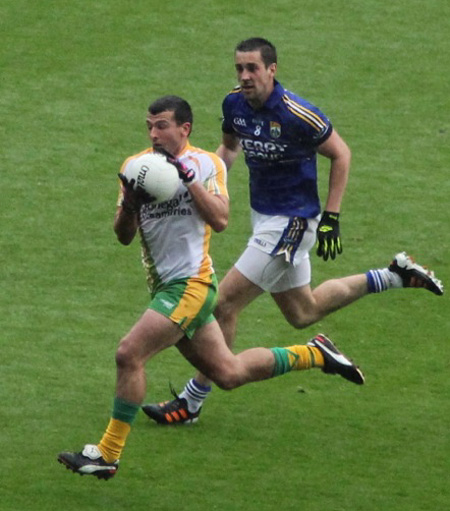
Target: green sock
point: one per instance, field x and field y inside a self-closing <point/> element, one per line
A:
<point x="283" y="363"/>
<point x="298" y="357"/>
<point x="115" y="436"/>
<point x="124" y="411"/>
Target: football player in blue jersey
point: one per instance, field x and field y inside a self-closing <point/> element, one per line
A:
<point x="280" y="135"/>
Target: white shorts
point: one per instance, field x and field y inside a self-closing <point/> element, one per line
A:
<point x="273" y="273"/>
<point x="277" y="255"/>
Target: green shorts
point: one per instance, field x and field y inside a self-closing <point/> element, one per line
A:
<point x="187" y="302"/>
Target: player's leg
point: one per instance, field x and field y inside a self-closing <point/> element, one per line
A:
<point x="172" y="312"/>
<point x="238" y="289"/>
<point x="302" y="306"/>
<point x="151" y="334"/>
<point x="235" y="292"/>
<point x="208" y="351"/>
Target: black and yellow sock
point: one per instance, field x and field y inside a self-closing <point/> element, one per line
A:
<point x="297" y="358"/>
<point x="113" y="441"/>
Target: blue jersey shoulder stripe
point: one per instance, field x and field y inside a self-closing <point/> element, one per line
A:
<point x="304" y="113"/>
<point x="304" y="118"/>
<point x="236" y="89"/>
<point x="294" y="104"/>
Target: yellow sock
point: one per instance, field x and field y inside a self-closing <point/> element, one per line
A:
<point x="308" y="357"/>
<point x="113" y="441"/>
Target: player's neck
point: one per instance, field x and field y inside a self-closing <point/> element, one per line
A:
<point x="256" y="104"/>
<point x="181" y="149"/>
<point x="259" y="102"/>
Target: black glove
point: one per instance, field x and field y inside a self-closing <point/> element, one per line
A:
<point x="187" y="176"/>
<point x="328" y="237"/>
<point x="133" y="198"/>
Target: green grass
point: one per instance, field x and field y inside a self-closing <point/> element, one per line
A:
<point x="76" y="80"/>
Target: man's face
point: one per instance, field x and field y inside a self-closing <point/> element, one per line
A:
<point x="256" y="80"/>
<point x="166" y="134"/>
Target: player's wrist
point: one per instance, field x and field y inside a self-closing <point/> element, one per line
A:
<point x="330" y="215"/>
<point x="128" y="208"/>
<point x="189" y="183"/>
<point x="187" y="175"/>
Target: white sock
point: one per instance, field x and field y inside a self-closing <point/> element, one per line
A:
<point x="195" y="394"/>
<point x="382" y="280"/>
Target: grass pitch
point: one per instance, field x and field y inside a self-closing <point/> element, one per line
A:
<point x="76" y="81"/>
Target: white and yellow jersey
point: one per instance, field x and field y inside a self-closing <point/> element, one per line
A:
<point x="175" y="239"/>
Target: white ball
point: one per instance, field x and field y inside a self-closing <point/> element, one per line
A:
<point x="155" y="175"/>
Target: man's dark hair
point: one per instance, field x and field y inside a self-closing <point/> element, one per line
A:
<point x="265" y="47"/>
<point x="180" y="107"/>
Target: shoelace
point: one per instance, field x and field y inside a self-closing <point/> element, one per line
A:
<point x="172" y="405"/>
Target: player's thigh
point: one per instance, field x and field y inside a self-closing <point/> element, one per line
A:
<point x="236" y="291"/>
<point x="152" y="333"/>
<point x="209" y="353"/>
<point x="297" y="305"/>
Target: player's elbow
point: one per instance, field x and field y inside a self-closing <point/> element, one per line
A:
<point x="347" y="153"/>
<point x="219" y="220"/>
<point x="220" y="224"/>
<point x="125" y="237"/>
<point x="343" y="153"/>
<point x="124" y="240"/>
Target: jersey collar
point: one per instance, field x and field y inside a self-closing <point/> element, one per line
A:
<point x="186" y="148"/>
<point x="275" y="96"/>
<point x="273" y="99"/>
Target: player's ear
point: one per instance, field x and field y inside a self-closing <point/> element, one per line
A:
<point x="187" y="128"/>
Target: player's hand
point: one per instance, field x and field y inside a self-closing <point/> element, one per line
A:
<point x="133" y="198"/>
<point x="328" y="237"/>
<point x="187" y="176"/>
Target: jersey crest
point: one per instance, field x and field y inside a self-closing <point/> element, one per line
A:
<point x="275" y="129"/>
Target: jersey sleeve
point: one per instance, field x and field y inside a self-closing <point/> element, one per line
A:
<point x="227" y="126"/>
<point x="217" y="182"/>
<point x="122" y="171"/>
<point x="313" y="124"/>
<point x="323" y="135"/>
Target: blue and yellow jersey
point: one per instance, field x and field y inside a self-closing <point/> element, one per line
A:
<point x="280" y="145"/>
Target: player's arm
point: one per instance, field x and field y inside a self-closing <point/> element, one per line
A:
<point x="126" y="217"/>
<point x="213" y="208"/>
<point x="339" y="153"/>
<point x="125" y="225"/>
<point x="229" y="149"/>
<point x="328" y="233"/>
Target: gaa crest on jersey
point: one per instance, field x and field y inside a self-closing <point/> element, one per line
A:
<point x="275" y="129"/>
<point x="239" y="121"/>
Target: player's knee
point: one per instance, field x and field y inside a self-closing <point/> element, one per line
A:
<point x="226" y="379"/>
<point x="125" y="357"/>
<point x="299" y="321"/>
<point x="226" y="384"/>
